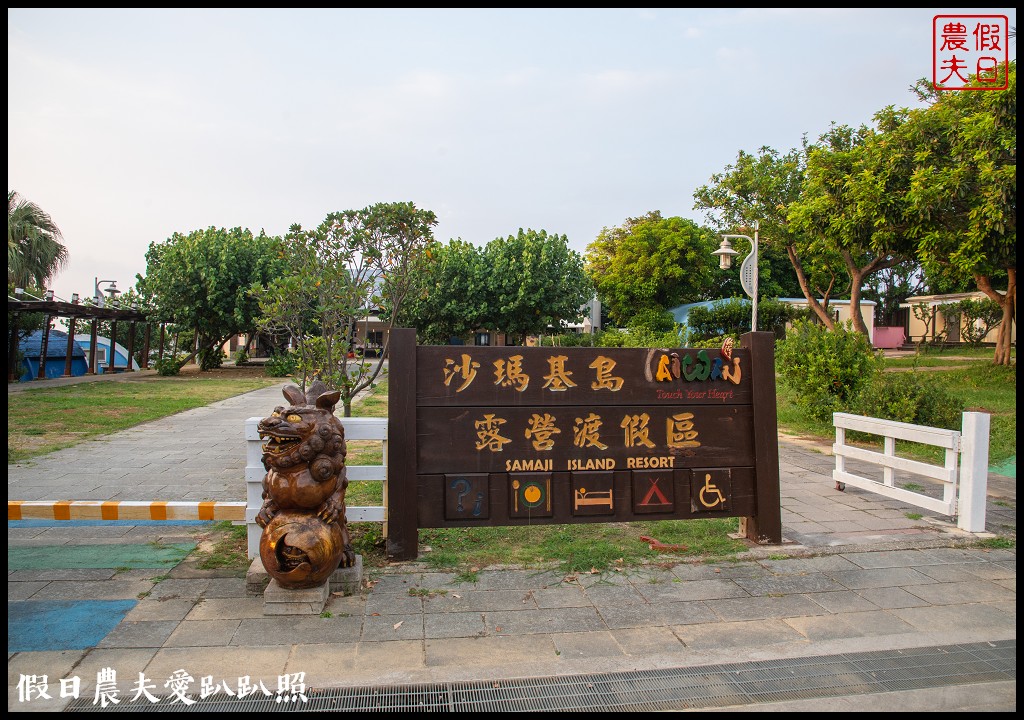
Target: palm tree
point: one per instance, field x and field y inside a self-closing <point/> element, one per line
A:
<point x="35" y="252"/>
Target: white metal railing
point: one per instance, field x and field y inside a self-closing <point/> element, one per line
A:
<point x="964" y="474"/>
<point x="356" y="428"/>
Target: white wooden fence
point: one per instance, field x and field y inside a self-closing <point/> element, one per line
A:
<point x="964" y="474"/>
<point x="356" y="428"/>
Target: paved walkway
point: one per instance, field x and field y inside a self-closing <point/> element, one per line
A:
<point x="855" y="581"/>
<point x="193" y="455"/>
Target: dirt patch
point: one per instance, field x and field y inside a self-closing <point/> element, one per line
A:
<point x="22" y="444"/>
<point x="925" y="368"/>
<point x="226" y="372"/>
<point x="809" y="443"/>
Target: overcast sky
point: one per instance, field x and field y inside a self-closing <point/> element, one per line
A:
<point x="129" y="125"/>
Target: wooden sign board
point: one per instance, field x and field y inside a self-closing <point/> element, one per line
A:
<point x="533" y="435"/>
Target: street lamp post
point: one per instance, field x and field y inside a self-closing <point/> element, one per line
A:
<point x="98" y="294"/>
<point x="748" y="270"/>
<point x="98" y="297"/>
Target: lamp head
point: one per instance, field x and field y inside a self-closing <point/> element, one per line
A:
<point x="725" y="253"/>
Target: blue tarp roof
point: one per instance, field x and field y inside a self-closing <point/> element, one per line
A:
<point x="682" y="312"/>
<point x="57" y="345"/>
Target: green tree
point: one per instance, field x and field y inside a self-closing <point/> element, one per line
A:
<point x="35" y="253"/>
<point x="964" y="190"/>
<point x="354" y="264"/>
<point x="205" y="281"/>
<point x="535" y="283"/>
<point x="651" y="263"/>
<point x="763" y="188"/>
<point x="852" y="201"/>
<point x="451" y="299"/>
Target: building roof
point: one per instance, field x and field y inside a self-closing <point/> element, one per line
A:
<point x="832" y="301"/>
<point x="944" y="299"/>
<point x="85" y="339"/>
<point x="56" y="345"/>
<point x="682" y="312"/>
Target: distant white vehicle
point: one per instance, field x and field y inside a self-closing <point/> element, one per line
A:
<point x="102" y="350"/>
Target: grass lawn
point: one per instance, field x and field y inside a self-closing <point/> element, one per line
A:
<point x="944" y="357"/>
<point x="42" y="420"/>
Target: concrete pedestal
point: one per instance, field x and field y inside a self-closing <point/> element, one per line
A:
<point x="344" y="580"/>
<point x="294" y="601"/>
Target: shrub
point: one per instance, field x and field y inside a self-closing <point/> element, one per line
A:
<point x="732" y="317"/>
<point x="728" y="317"/>
<point x="167" y="367"/>
<point x="639" y="338"/>
<point x="567" y="340"/>
<point x="241" y="357"/>
<point x="774" y="315"/>
<point x="826" y="368"/>
<point x="713" y="342"/>
<point x="980" y="318"/>
<point x="653" y="319"/>
<point x="612" y="337"/>
<point x="210" y="359"/>
<point x="910" y="397"/>
<point x="280" y="365"/>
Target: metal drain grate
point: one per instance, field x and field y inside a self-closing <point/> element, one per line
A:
<point x="667" y="689"/>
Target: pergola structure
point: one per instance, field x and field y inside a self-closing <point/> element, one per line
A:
<point x="74" y="312"/>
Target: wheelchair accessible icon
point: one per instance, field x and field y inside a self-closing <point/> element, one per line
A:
<point x="710" y="496"/>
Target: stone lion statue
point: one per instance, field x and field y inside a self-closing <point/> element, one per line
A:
<point x="305" y="532"/>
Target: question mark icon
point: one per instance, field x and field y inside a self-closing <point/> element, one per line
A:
<point x="462" y="487"/>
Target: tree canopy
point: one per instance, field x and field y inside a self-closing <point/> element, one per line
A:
<point x="523" y="284"/>
<point x="356" y="263"/>
<point x="851" y="204"/>
<point x="963" y="192"/>
<point x="206" y="281"/>
<point x="534" y="282"/>
<point x="35" y="251"/>
<point x="762" y="188"/>
<point x="451" y="298"/>
<point x="653" y="263"/>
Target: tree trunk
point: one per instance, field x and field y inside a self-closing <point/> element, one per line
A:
<point x="805" y="287"/>
<point x="200" y="346"/>
<point x="1008" y="302"/>
<point x="857" y="276"/>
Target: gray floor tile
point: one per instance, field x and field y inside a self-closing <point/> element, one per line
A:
<point x="141" y="634"/>
<point x="544" y="621"/>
